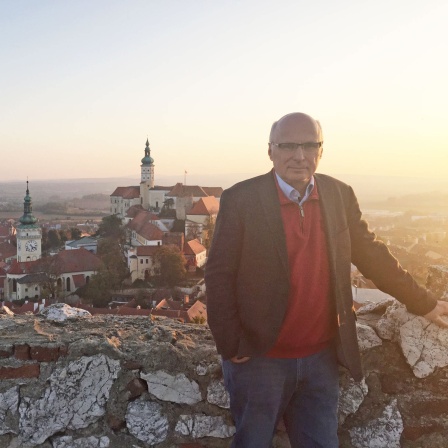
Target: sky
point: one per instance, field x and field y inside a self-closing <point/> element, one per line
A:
<point x="84" y="83"/>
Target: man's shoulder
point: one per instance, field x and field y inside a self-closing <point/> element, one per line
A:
<point x="324" y="180"/>
<point x="249" y="185"/>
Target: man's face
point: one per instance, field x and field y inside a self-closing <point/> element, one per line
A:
<point x="295" y="167"/>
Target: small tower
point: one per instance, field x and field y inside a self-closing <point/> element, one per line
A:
<point x="29" y="234"/>
<point x="148" y="167"/>
<point x="147" y="179"/>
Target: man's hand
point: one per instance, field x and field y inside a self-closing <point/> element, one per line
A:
<point x="238" y="360"/>
<point x="435" y="316"/>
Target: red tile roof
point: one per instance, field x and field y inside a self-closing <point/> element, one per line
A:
<point x="134" y="210"/>
<point x="142" y="225"/>
<point x="149" y="251"/>
<point x="4" y="232"/>
<point x="180" y="190"/>
<point x="213" y="191"/>
<point x="193" y="247"/>
<point x="7" y="250"/>
<point x="205" y="206"/>
<point x="79" y="260"/>
<point x="127" y="192"/>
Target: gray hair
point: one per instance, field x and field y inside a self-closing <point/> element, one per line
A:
<point x="274" y="125"/>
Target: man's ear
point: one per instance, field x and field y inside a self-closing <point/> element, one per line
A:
<point x="321" y="152"/>
<point x="269" y="151"/>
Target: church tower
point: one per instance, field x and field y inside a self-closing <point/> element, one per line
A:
<point x="29" y="234"/>
<point x="148" y="167"/>
<point x="147" y="177"/>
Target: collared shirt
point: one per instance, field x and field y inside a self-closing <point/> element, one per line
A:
<point x="291" y="193"/>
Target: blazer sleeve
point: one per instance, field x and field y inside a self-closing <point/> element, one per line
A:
<point x="374" y="260"/>
<point x="221" y="276"/>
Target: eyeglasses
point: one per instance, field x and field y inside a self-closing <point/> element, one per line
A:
<point x="291" y="147"/>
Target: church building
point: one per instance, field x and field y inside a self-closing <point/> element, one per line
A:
<point x="148" y="196"/>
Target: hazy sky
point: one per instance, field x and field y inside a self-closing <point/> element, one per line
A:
<point x="83" y="83"/>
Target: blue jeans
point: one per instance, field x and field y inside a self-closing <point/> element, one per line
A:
<point x="303" y="391"/>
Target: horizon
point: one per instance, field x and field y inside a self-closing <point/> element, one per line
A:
<point x="87" y="83"/>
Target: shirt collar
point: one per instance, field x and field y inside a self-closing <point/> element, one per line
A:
<point x="291" y="193"/>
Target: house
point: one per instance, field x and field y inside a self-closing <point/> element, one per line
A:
<point x="195" y="254"/>
<point x="141" y="262"/>
<point x="203" y="212"/>
<point x="87" y="242"/>
<point x="145" y="229"/>
<point x="123" y="198"/>
<point x="69" y="269"/>
<point x="154" y="197"/>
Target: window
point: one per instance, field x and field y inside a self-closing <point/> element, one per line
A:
<point x="26" y="289"/>
<point x="146" y="261"/>
<point x="141" y="260"/>
<point x="35" y="289"/>
<point x="68" y="283"/>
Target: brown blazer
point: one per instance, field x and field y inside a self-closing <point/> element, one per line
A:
<point x="247" y="276"/>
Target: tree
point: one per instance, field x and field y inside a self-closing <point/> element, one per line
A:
<point x="111" y="227"/>
<point x="97" y="290"/>
<point x="109" y="250"/>
<point x="75" y="233"/>
<point x="53" y="239"/>
<point x="49" y="282"/>
<point x="193" y="231"/>
<point x="172" y="264"/>
<point x="111" y="274"/>
<point x="208" y="231"/>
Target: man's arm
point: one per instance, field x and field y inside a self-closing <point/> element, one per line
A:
<point x="221" y="274"/>
<point x="374" y="260"/>
<point x="436" y="315"/>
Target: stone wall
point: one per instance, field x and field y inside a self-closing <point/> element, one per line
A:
<point x="68" y="379"/>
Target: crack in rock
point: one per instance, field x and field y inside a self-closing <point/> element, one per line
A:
<point x="75" y="397"/>
<point x="146" y="422"/>
<point x="383" y="432"/>
<point x="199" y="425"/>
<point x="217" y="394"/>
<point x="177" y="389"/>
<point x="9" y="402"/>
<point x="82" y="442"/>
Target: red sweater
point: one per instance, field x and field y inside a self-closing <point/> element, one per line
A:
<point x="310" y="320"/>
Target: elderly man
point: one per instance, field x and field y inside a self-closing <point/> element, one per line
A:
<point x="279" y="298"/>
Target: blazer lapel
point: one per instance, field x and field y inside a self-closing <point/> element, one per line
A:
<point x="268" y="197"/>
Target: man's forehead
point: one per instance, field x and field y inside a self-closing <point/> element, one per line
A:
<point x="297" y="124"/>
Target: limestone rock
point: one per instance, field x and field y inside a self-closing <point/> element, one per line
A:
<point x="367" y="338"/>
<point x="395" y="316"/>
<point x="178" y="388"/>
<point x="425" y="346"/>
<point x="378" y="307"/>
<point x="217" y="394"/>
<point x="145" y="421"/>
<point x="383" y="432"/>
<point x="9" y="401"/>
<point x="75" y="397"/>
<point x="60" y="312"/>
<point x="351" y="396"/>
<point x="82" y="442"/>
<point x="199" y="425"/>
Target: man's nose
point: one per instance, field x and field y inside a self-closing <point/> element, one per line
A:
<point x="299" y="153"/>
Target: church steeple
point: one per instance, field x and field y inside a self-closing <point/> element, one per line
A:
<point x="28" y="217"/>
<point x="147" y="167"/>
<point x="29" y="234"/>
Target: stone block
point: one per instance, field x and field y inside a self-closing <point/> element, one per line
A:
<point x="22" y="352"/>
<point x="44" y="354"/>
<point x="23" y="371"/>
